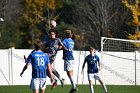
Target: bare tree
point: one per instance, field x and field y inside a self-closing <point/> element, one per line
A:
<point x="97" y="18"/>
<point x="10" y="9"/>
<point x="2" y="7"/>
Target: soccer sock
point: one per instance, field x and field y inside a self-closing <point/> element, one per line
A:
<point x="104" y="88"/>
<point x="56" y="74"/>
<point x="91" y="88"/>
<point x="72" y="82"/>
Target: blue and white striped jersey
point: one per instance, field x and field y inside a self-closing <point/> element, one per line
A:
<point x="39" y="61"/>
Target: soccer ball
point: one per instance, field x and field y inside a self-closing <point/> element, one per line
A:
<point x="53" y="23"/>
<point x="1" y="19"/>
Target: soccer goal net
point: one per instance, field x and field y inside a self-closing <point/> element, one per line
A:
<point x="120" y="61"/>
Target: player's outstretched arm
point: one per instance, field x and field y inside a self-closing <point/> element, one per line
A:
<point x="61" y="45"/>
<point x="83" y="66"/>
<point x="99" y="65"/>
<point x="24" y="68"/>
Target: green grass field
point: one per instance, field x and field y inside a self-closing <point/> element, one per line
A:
<point x="66" y="88"/>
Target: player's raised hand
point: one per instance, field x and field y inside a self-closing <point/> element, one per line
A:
<point x="21" y="74"/>
<point x="25" y="58"/>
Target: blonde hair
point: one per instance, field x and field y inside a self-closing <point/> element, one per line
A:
<point x="68" y="33"/>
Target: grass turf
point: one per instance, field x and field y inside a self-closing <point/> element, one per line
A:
<point x="66" y="88"/>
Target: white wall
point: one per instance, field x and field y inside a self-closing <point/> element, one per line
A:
<point x="114" y="70"/>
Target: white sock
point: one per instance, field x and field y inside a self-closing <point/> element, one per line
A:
<point x="91" y="89"/>
<point x="72" y="82"/>
<point x="104" y="88"/>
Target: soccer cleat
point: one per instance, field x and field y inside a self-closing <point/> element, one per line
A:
<point x="54" y="84"/>
<point x="62" y="82"/>
<point x="73" y="90"/>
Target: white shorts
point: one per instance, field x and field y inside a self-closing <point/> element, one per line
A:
<point x="94" y="76"/>
<point x="68" y="65"/>
<point x="38" y="83"/>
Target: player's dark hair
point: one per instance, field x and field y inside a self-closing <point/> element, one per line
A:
<point x="38" y="44"/>
<point x="52" y="30"/>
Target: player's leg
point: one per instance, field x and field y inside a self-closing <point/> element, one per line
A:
<point x="34" y="85"/>
<point x="103" y="85"/>
<point x="91" y="86"/>
<point x="35" y="91"/>
<point x="42" y="91"/>
<point x="72" y="80"/>
<point x="90" y="79"/>
<point x="58" y="76"/>
<point x="56" y="72"/>
<point x="68" y="67"/>
<point x="71" y="77"/>
<point x="52" y="58"/>
<point x="54" y="82"/>
<point x="42" y="85"/>
<point x="97" y="77"/>
<point x="53" y="70"/>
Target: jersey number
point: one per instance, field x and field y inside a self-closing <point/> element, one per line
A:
<point x="40" y="61"/>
